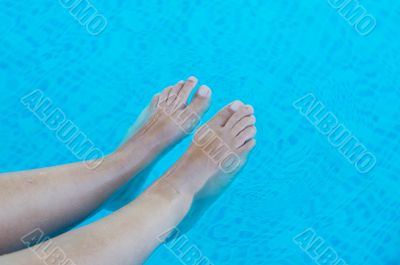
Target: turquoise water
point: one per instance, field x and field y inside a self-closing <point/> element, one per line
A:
<point x="266" y="53"/>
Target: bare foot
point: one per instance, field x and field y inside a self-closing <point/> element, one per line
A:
<point x="169" y="116"/>
<point x="166" y="120"/>
<point x="219" y="150"/>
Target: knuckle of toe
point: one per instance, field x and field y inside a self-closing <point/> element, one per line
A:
<point x="238" y="141"/>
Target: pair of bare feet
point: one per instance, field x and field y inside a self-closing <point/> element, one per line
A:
<point x="218" y="150"/>
<point x="50" y="200"/>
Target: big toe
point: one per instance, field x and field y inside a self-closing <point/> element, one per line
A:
<point x="239" y="114"/>
<point x="191" y="115"/>
<point x="201" y="100"/>
<point x="222" y="117"/>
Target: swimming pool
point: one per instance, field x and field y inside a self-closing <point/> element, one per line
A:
<point x="297" y="185"/>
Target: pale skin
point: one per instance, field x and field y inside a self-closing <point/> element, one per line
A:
<point x="55" y="198"/>
<point x="129" y="235"/>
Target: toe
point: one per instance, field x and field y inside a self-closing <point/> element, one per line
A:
<point x="174" y="92"/>
<point x="246" y="135"/>
<point x="162" y="102"/>
<point x="191" y="115"/>
<point x="243" y="124"/>
<point x="247" y="147"/>
<point x="187" y="88"/>
<point x="201" y="100"/>
<point x="242" y="112"/>
<point x="223" y="115"/>
<point x="154" y="102"/>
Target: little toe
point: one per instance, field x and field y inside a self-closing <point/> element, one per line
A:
<point x="154" y="102"/>
<point x="247" y="147"/>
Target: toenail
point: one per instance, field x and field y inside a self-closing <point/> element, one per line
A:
<point x="204" y="91"/>
<point x="250" y="108"/>
<point x="181" y="82"/>
<point x="192" y="78"/>
<point x="236" y="105"/>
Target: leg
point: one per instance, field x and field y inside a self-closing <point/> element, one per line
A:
<point x="129" y="236"/>
<point x="54" y="198"/>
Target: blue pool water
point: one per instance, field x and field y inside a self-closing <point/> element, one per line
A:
<point x="266" y="53"/>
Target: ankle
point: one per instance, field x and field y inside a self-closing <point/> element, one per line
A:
<point x="142" y="144"/>
<point x="187" y="176"/>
